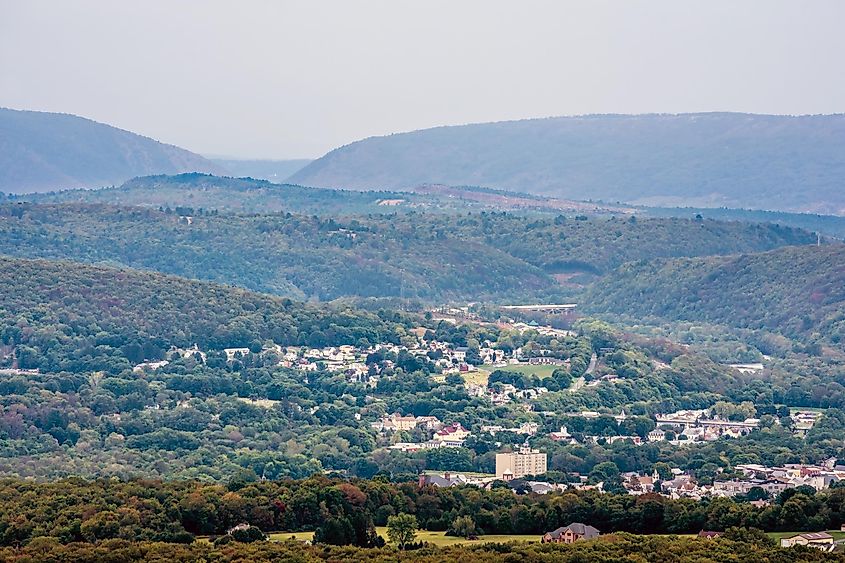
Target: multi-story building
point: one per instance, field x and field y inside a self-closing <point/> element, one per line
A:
<point x="454" y="434"/>
<point x="515" y="465"/>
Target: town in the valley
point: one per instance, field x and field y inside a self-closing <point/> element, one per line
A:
<point x="522" y="459"/>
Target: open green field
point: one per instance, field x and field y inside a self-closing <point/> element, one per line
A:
<point x="477" y="377"/>
<point x="793" y="410"/>
<point x="436" y="538"/>
<point x="298" y="536"/>
<point x="538" y="370"/>
<point x="440" y="538"/>
<point x="482" y="374"/>
<point x="837" y="535"/>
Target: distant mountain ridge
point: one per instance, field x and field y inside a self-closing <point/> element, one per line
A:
<point x="788" y="163"/>
<point x="42" y="151"/>
<point x="249" y="195"/>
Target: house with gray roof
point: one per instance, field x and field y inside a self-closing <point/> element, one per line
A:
<point x="571" y="533"/>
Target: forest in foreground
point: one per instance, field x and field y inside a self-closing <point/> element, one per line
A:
<point x="152" y="520"/>
<point x="617" y="548"/>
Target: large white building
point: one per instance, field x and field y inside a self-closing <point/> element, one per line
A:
<point x="515" y="465"/>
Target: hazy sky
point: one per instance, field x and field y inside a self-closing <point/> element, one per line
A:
<point x="282" y="79"/>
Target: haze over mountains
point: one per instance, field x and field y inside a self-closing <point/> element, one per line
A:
<point x="271" y="170"/>
<point x="702" y="160"/>
<point x="707" y="160"/>
<point x="42" y="151"/>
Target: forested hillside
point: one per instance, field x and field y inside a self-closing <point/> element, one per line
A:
<point x="223" y="194"/>
<point x="197" y="191"/>
<point x="826" y="225"/>
<point x="708" y="159"/>
<point x="63" y="316"/>
<point x="799" y="291"/>
<point x="498" y="256"/>
<point x="48" y="151"/>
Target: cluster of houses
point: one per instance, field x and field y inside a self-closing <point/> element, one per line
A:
<point x="527" y="462"/>
<point x="804" y="420"/>
<point x="679" y="485"/>
<point x="687" y="426"/>
<point x="676" y="433"/>
<point x="698" y="426"/>
<point x="683" y="427"/>
<point x="511" y="466"/>
<point x="776" y="479"/>
<point x="397" y="423"/>
<point x="442" y="435"/>
<point x="526" y="429"/>
<point x="449" y="479"/>
<point x="504" y="393"/>
<point x="352" y="360"/>
<point x="771" y="480"/>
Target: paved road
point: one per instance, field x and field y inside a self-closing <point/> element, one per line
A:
<point x="580" y="382"/>
<point x="592" y="366"/>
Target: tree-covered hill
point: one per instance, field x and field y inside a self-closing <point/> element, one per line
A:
<point x="75" y="317"/>
<point x="798" y="291"/>
<point x="42" y="151"/>
<point x="475" y="256"/>
<point x="826" y="225"/>
<point x="249" y="195"/>
<point x="708" y="159"/>
<point x="194" y="192"/>
<point x="235" y="195"/>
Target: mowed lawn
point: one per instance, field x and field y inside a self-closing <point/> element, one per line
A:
<point x="440" y="538"/>
<point x="436" y="538"/>
<point x="540" y="371"/>
<point x="793" y="410"/>
<point x="482" y="373"/>
<point x="837" y="534"/>
<point x="299" y="536"/>
<point x="477" y="377"/>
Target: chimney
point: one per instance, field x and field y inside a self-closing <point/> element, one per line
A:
<point x="446" y="475"/>
<point x="422" y="480"/>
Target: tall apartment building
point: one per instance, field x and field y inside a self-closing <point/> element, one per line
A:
<point x="516" y="465"/>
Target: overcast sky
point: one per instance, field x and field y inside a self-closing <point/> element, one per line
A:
<point x="282" y="79"/>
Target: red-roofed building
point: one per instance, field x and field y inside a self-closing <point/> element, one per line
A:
<point x="452" y="434"/>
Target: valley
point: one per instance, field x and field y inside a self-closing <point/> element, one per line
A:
<point x="108" y="371"/>
<point x="425" y="282"/>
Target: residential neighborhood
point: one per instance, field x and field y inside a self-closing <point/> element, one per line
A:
<point x="518" y="462"/>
